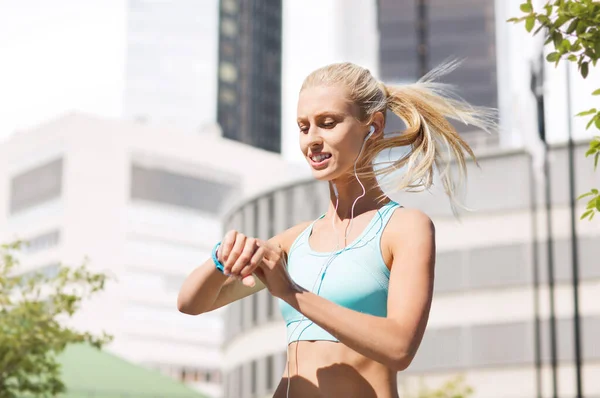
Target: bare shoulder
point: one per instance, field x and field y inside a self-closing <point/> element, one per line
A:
<point x="408" y="228"/>
<point x="286" y="238"/>
<point x="406" y="220"/>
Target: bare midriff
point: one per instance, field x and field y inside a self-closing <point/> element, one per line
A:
<point x="327" y="369"/>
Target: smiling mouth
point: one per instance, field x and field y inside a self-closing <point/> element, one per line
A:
<point x="320" y="157"/>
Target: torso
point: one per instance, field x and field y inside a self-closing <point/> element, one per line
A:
<point x="329" y="368"/>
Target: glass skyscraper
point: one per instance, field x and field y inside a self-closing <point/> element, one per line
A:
<point x="249" y="85"/>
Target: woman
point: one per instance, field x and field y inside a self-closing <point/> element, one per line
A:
<point x="354" y="286"/>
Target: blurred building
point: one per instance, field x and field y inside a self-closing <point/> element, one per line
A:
<point x="171" y="63"/>
<point x="482" y="322"/>
<point x="417" y="35"/>
<point x="145" y="205"/>
<point x="249" y="100"/>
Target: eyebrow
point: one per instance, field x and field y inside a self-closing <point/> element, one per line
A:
<point x="325" y="113"/>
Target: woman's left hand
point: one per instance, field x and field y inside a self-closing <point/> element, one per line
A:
<point x="272" y="271"/>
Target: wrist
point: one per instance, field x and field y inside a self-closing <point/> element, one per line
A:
<point x="290" y="295"/>
<point x="215" y="258"/>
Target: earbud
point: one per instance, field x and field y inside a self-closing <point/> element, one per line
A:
<point x="371" y="131"/>
<point x="335" y="191"/>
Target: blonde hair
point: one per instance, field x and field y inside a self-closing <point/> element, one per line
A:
<point x="425" y="107"/>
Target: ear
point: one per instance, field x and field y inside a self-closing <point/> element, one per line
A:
<point x="378" y="122"/>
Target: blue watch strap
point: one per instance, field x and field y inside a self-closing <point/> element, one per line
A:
<point x="218" y="264"/>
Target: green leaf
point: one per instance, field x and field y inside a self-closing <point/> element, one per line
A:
<point x="587" y="214"/>
<point x="513" y="20"/>
<point x="590" y="123"/>
<point x="585" y="195"/>
<point x="565" y="45"/>
<point x="572" y="58"/>
<point x="560" y="21"/>
<point x="584" y="69"/>
<point x="597" y="203"/>
<point x="557" y="38"/>
<point x="581" y="27"/>
<point x="596" y="92"/>
<point x="596" y="160"/>
<point x="597" y="123"/>
<point x="529" y="23"/>
<point x="543" y="19"/>
<point x="572" y="26"/>
<point x="553" y="57"/>
<point x="538" y="30"/>
<point x="526" y="7"/>
<point x="594" y="191"/>
<point x="588" y="112"/>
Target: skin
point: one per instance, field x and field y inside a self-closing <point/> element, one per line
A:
<point x="371" y="349"/>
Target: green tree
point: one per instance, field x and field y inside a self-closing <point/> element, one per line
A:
<point x="572" y="28"/>
<point x="453" y="388"/>
<point x="32" y="306"/>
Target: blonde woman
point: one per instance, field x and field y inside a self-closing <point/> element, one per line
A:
<point x="355" y="286"/>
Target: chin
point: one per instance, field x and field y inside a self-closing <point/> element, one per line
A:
<point x="324" y="175"/>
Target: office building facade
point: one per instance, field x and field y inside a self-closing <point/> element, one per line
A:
<point x="249" y="72"/>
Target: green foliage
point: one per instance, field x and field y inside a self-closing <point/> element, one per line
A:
<point x="573" y="29"/>
<point x="453" y="388"/>
<point x="32" y="306"/>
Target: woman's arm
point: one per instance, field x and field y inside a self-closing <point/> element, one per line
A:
<point x="207" y="289"/>
<point x="393" y="340"/>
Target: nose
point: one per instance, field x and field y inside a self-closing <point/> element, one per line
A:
<point x="314" y="137"/>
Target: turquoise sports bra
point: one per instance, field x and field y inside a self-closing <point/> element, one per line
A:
<point x="356" y="278"/>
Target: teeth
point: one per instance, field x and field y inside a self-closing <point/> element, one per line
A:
<point x="320" y="157"/>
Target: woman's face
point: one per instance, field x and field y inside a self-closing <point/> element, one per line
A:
<point x="330" y="132"/>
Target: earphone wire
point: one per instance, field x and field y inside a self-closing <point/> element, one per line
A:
<point x="325" y="266"/>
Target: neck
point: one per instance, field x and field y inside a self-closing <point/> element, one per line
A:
<point x="349" y="190"/>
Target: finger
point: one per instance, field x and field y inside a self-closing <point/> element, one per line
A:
<point x="236" y="251"/>
<point x="254" y="261"/>
<point x="249" y="281"/>
<point x="226" y="246"/>
<point x="245" y="256"/>
<point x="273" y="251"/>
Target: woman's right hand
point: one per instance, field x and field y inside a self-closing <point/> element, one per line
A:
<point x="240" y="256"/>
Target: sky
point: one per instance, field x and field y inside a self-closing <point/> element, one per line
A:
<point x="58" y="56"/>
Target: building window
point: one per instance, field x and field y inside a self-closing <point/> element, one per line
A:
<point x="269" y="371"/>
<point x="42" y="242"/>
<point x="271" y="219"/>
<point x="228" y="72"/>
<point x="253" y="378"/>
<point x="270" y="306"/>
<point x="49" y="271"/>
<point x="227" y="96"/>
<point x="228" y="27"/>
<point x="289" y="207"/>
<point x="36" y="186"/>
<point x="229" y="6"/>
<point x="166" y="187"/>
<point x="256" y="232"/>
<point x="255" y="308"/>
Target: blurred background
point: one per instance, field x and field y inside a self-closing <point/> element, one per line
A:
<point x="135" y="132"/>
